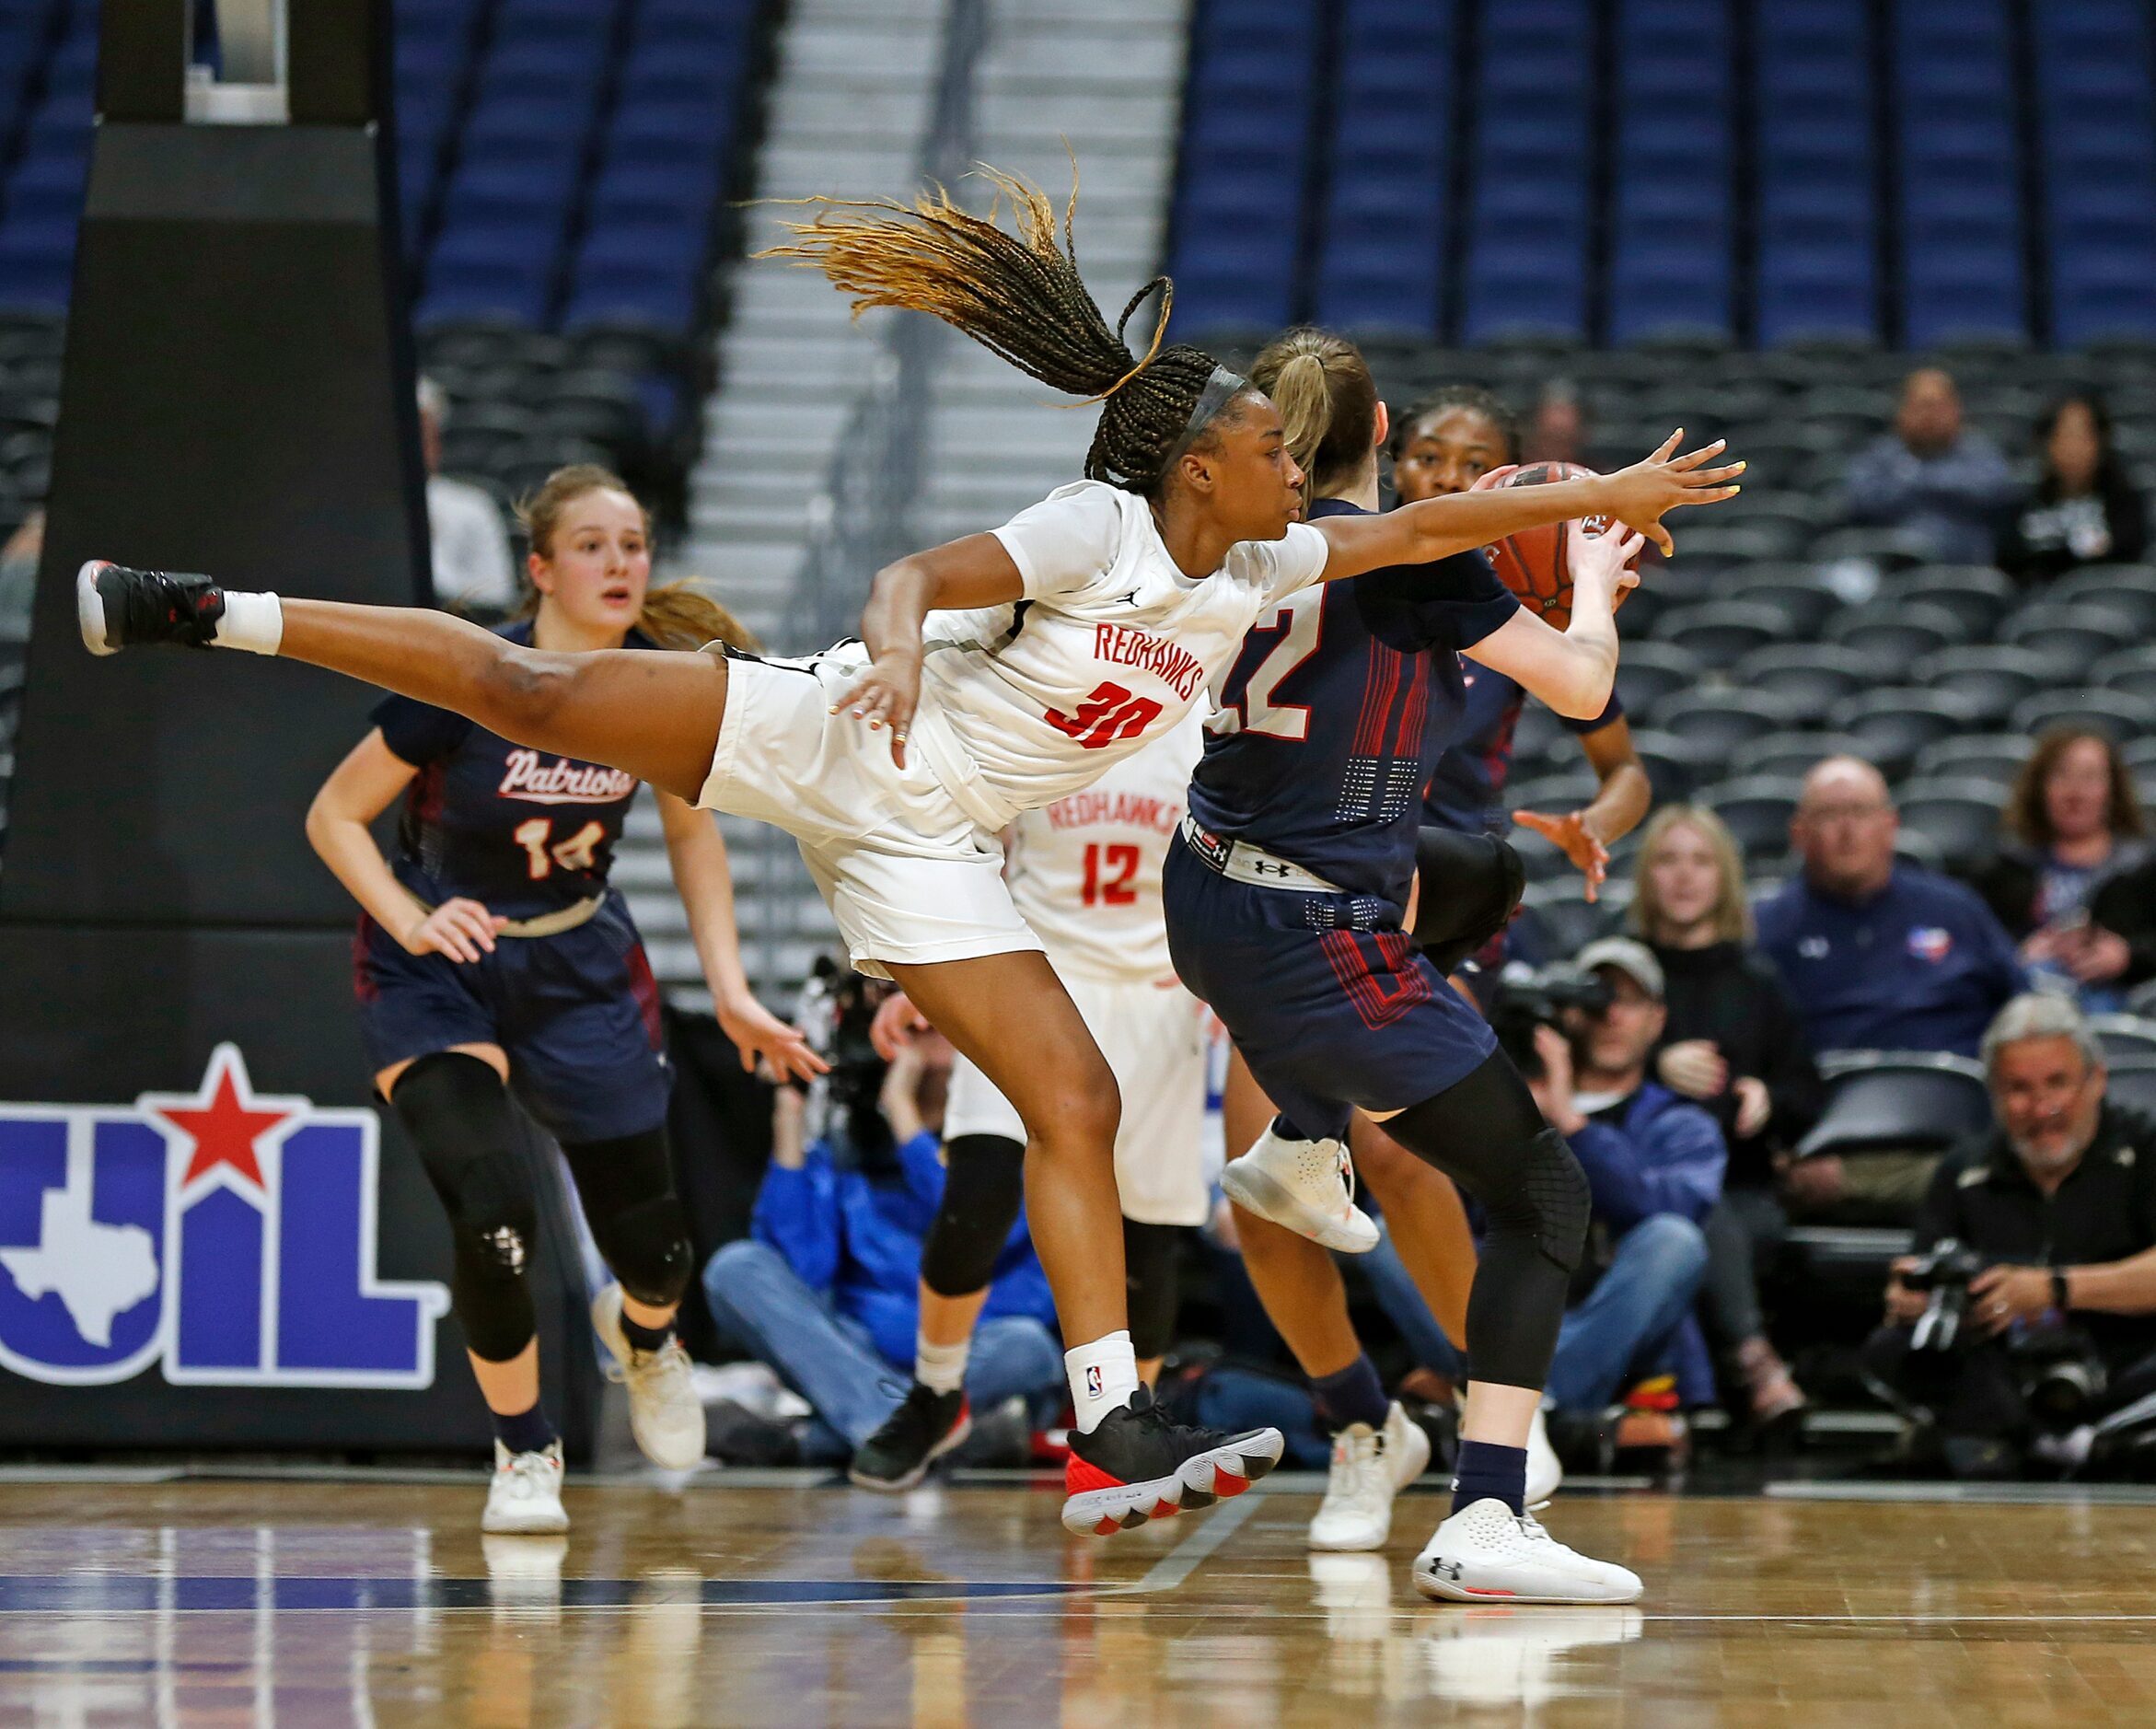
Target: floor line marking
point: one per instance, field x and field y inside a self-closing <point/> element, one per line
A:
<point x="1193" y="1551"/>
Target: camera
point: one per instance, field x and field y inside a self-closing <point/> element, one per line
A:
<point x="1523" y="1000"/>
<point x="2062" y="1377"/>
<point x="1944" y="1272"/>
<point x="837" y="1009"/>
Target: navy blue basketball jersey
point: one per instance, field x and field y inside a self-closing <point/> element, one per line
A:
<point x="1335" y="711"/>
<point x="1467" y="789"/>
<point x="522" y="831"/>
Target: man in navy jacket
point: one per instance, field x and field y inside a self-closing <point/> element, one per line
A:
<point x="1880" y="955"/>
<point x="826" y="1289"/>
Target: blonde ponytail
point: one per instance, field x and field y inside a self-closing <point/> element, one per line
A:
<point x="1327" y="403"/>
<point x="683" y="614"/>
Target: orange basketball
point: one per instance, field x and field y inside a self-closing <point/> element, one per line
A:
<point x="1533" y="564"/>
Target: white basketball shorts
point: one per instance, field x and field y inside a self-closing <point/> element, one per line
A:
<point x="909" y="876"/>
<point x="1153" y="1039"/>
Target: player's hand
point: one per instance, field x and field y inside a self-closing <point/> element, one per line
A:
<point x="1572" y="835"/>
<point x="1606" y="557"/>
<point x="1639" y="496"/>
<point x="459" y="928"/>
<point x="895" y="1023"/>
<point x="1693" y="1067"/>
<point x="757" y="1033"/>
<point x="1553" y="1091"/>
<point x="1495" y="477"/>
<point x="2097" y="955"/>
<point x="886" y="695"/>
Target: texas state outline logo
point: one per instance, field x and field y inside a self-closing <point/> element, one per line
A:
<point x="227" y="1235"/>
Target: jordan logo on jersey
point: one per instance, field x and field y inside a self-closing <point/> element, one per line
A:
<point x="224" y="1235"/>
<point x="563" y="782"/>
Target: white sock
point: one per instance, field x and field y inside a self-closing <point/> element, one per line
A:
<point x="940" y="1367"/>
<point x="1103" y="1376"/>
<point x="255" y="622"/>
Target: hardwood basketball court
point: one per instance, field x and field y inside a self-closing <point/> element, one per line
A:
<point x="766" y="1599"/>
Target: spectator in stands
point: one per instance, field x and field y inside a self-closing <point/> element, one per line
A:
<point x="1736" y="1044"/>
<point x="473" y="568"/>
<point x="2084" y="509"/>
<point x="2058" y="1202"/>
<point x="1879" y="955"/>
<point x="825" y="1290"/>
<point x="1556" y="431"/>
<point x="2070" y="820"/>
<point x="1946" y="488"/>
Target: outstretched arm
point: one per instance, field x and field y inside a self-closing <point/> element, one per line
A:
<point x="1437" y="528"/>
<point x="697" y="852"/>
<point x="1571" y="669"/>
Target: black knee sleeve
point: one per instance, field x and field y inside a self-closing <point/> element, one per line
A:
<point x="1468" y="886"/>
<point x="984" y="1186"/>
<point x="1486" y="1133"/>
<point x="626" y="1186"/>
<point x="457" y="1112"/>
<point x="1150" y="1254"/>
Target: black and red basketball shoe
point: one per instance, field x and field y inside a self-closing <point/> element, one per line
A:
<point x="1138" y="1465"/>
<point x="926" y="1426"/>
<point x="118" y="607"/>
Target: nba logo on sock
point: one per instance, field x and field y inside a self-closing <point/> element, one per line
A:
<point x="1092" y="1382"/>
<point x="225" y="1235"/>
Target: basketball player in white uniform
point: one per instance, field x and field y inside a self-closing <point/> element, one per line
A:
<point x="1085" y="874"/>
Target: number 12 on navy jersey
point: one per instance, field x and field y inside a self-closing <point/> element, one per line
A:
<point x="1299" y="622"/>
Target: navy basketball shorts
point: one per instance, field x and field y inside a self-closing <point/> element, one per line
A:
<point x="577" y="1012"/>
<point x="1329" y="1019"/>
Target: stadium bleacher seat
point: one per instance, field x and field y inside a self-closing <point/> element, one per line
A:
<point x="1895" y="723"/>
<point x="1809" y="677"/>
<point x="1883" y="1099"/>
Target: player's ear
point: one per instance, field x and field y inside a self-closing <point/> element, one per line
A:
<point x="541" y="573"/>
<point x="1383" y="435"/>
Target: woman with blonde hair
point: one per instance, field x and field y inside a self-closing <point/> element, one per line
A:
<point x="1735" y="1043"/>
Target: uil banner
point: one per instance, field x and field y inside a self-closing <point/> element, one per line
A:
<point x="221" y="1238"/>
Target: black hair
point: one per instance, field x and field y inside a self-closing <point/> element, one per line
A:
<point x="2111" y="478"/>
<point x="1447" y="397"/>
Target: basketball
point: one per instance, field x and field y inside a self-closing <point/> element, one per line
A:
<point x="1533" y="564"/>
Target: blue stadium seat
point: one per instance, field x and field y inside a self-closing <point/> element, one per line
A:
<point x="632" y="293"/>
<point x="37" y="261"/>
<point x="688" y="194"/>
<point x="484" y="272"/>
<point x="536" y="197"/>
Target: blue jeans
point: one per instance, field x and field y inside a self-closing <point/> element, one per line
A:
<point x="761" y="1304"/>
<point x="1630" y="1319"/>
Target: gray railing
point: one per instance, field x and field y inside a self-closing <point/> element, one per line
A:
<point x="864" y="516"/>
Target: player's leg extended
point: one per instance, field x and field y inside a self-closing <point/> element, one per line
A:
<point x="654" y="714"/>
<point x="1010" y="1015"/>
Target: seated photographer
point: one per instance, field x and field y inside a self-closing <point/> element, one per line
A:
<point x="1654" y="1166"/>
<point x="2028" y="1311"/>
<point x="825" y="1290"/>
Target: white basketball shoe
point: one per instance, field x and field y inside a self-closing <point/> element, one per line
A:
<point x="1368" y="1467"/>
<point x="1487" y="1553"/>
<point x="1306" y="1187"/>
<point x="525" y="1498"/>
<point x="1546" y="1472"/>
<point x="664" y="1414"/>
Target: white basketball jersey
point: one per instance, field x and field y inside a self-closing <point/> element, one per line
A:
<point x="1085" y="870"/>
<point x="1027" y="703"/>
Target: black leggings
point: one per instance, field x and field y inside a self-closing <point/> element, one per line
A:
<point x="1486" y="1134"/>
<point x="984" y="1186"/>
<point x="456" y="1111"/>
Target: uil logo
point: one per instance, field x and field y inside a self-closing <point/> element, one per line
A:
<point x="226" y="1235"/>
